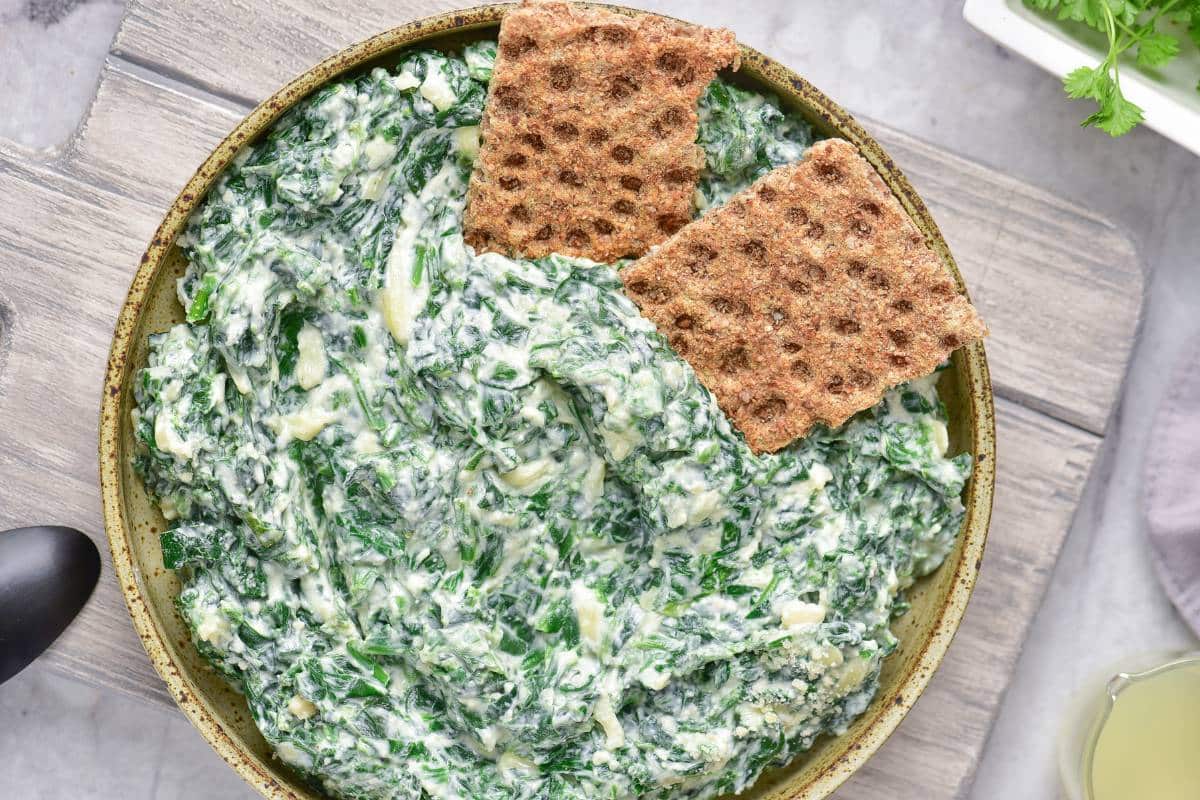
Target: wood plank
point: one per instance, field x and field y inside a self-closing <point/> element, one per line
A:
<point x="1060" y="286"/>
<point x="1012" y="241"/>
<point x="176" y="130"/>
<point x="235" y="64"/>
<point x="69" y="253"/>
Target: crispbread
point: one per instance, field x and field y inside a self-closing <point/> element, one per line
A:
<point x="804" y="298"/>
<point x="589" y="132"/>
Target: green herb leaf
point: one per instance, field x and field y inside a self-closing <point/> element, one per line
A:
<point x="1157" y="49"/>
<point x="198" y="310"/>
<point x="1128" y="24"/>
<point x="1087" y="82"/>
<point x="1116" y="117"/>
<point x="1089" y="12"/>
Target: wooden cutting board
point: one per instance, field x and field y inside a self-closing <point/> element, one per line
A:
<point x="1060" y="287"/>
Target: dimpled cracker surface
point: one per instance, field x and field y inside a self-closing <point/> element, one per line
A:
<point x="804" y="298"/>
<point x="589" y="132"/>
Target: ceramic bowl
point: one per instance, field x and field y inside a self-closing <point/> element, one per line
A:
<point x="133" y="523"/>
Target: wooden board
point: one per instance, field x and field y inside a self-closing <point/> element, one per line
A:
<point x="72" y="231"/>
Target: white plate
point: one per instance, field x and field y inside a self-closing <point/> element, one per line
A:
<point x="1168" y="96"/>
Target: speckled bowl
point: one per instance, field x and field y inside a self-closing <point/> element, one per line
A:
<point x="133" y="523"/>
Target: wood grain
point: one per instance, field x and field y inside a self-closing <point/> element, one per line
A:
<point x="176" y="38"/>
<point x="1059" y="286"/>
<point x="175" y="132"/>
<point x="69" y="252"/>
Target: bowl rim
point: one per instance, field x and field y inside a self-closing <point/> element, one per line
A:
<point x="972" y="364"/>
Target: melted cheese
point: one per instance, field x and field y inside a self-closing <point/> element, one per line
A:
<point x="311" y="363"/>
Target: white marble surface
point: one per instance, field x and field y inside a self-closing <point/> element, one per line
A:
<point x="917" y="65"/>
<point x="62" y="739"/>
<point x="50" y="57"/>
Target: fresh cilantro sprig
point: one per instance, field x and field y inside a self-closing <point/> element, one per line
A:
<point x="1127" y="24"/>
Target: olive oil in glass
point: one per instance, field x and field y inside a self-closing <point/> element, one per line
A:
<point x="1139" y="738"/>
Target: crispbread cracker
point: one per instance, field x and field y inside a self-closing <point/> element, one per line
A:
<point x="589" y="132"/>
<point x="804" y="298"/>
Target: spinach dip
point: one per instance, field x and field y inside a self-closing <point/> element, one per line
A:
<point x="464" y="526"/>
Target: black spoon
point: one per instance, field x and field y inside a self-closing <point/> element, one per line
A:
<point x="47" y="574"/>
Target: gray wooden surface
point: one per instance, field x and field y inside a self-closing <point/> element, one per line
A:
<point x="1059" y="287"/>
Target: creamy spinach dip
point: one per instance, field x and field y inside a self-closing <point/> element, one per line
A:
<point x="464" y="526"/>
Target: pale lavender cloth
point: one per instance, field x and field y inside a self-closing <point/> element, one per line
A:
<point x="1172" y="488"/>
